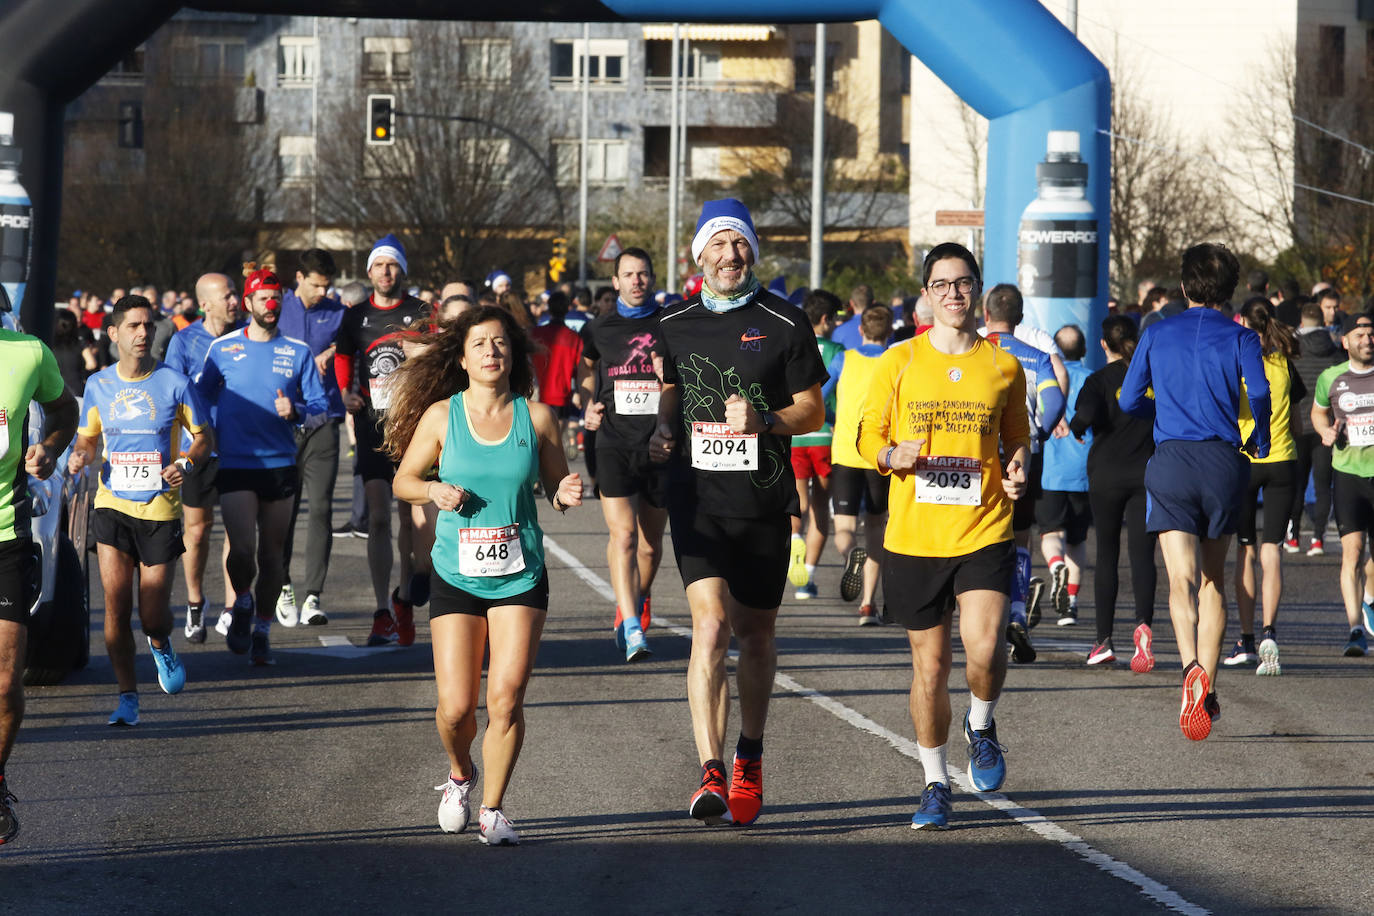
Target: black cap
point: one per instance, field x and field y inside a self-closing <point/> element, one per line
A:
<point x="1359" y="319"/>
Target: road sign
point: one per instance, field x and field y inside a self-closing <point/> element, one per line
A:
<point x="969" y="219"/>
<point x="611" y="250"/>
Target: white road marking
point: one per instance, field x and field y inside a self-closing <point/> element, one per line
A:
<point x="338" y="646"/>
<point x="1026" y="817"/>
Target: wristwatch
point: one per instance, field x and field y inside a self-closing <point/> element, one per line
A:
<point x="769" y="418"/>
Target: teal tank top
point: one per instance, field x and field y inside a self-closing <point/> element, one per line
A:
<point x="492" y="547"/>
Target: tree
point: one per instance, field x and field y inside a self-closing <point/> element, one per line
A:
<point x="1309" y="131"/>
<point x="1165" y="195"/>
<point x="460" y="194"/>
<point x="182" y="204"/>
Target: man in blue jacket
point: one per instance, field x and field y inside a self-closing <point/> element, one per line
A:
<point x="1194" y="364"/>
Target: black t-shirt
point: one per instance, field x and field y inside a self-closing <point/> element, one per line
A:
<point x="371" y="337"/>
<point x="764" y="352"/>
<point x="625" y="380"/>
<point x="1122" y="443"/>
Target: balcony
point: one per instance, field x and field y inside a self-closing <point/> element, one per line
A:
<point x="713" y="102"/>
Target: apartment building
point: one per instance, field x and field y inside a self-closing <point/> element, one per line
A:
<point x="297" y="85"/>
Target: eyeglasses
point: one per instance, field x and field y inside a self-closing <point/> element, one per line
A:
<point x="942" y="287"/>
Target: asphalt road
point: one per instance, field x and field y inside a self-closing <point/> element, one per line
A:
<point x="307" y="787"/>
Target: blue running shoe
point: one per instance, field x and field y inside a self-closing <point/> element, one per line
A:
<point x="636" y="647"/>
<point x="171" y="673"/>
<point x="1368" y="610"/>
<point x="126" y="713"/>
<point x="936" y="803"/>
<point x="1358" y="644"/>
<point x="987" y="769"/>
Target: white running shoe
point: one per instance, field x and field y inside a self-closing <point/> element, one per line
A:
<point x="226" y="617"/>
<point x="311" y="615"/>
<point x="287" y="615"/>
<point x="454" y="810"/>
<point x="494" y="830"/>
<point x="1269" y="659"/>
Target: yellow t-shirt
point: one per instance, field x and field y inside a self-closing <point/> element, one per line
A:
<point x="1281" y="444"/>
<point x="968" y="408"/>
<point x="851" y="393"/>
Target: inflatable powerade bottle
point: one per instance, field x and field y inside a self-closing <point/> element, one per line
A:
<point x="16" y="219"/>
<point x="1057" y="250"/>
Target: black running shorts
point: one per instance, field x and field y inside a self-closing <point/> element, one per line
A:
<point x="621" y="472"/>
<point x="270" y="484"/>
<point x="449" y="599"/>
<point x="1353" y="500"/>
<point x="370" y="462"/>
<point x="151" y="543"/>
<point x="198" y="490"/>
<point x="922" y="590"/>
<point x="750" y="554"/>
<point x="1067" y="511"/>
<point x="855" y="490"/>
<point x="18" y="580"/>
<point x="1276" y="480"/>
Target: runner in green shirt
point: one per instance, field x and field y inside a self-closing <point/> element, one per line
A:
<point x="29" y="373"/>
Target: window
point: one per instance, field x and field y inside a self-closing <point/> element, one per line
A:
<point x="1331" y="60"/>
<point x="386" y="59"/>
<point x="485" y="60"/>
<point x="804" y="65"/>
<point x="486" y="156"/>
<point x="297" y="60"/>
<point x="208" y="59"/>
<point x="129" y="69"/>
<point x="131" y="125"/>
<point x="608" y="161"/>
<point x="605" y="61"/>
<point x="296" y="158"/>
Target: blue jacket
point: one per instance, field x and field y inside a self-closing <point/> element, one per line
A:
<point x="318" y="327"/>
<point x="1195" y="362"/>
<point x="243" y="377"/>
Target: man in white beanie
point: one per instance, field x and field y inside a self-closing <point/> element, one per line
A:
<point x="741" y="375"/>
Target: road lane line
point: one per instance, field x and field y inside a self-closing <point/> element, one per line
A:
<point x="1026" y="817"/>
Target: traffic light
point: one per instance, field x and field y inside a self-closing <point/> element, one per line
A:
<point x="381" y="120"/>
<point x="558" y="263"/>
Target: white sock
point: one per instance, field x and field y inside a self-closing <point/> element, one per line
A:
<point x="933" y="761"/>
<point x="810" y="571"/>
<point x="1368" y="598"/>
<point x="980" y="713"/>
<point x="797" y="537"/>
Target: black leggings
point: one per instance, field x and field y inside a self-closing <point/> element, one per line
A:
<point x="1315" y="459"/>
<point x="1112" y="504"/>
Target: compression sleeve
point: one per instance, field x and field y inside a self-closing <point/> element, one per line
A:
<point x="1052" y="402"/>
<point x="1257" y="391"/>
<point x="343" y="370"/>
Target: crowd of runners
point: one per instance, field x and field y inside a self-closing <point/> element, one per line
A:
<point x="927" y="440"/>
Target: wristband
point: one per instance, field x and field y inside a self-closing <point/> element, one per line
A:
<point x="887" y="458"/>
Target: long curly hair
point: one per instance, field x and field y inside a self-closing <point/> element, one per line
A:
<point x="436" y="372"/>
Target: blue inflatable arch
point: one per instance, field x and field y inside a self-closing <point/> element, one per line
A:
<point x="1011" y="60"/>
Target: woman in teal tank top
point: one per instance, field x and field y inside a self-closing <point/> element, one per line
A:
<point x="463" y="403"/>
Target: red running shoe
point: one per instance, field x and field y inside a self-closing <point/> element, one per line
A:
<point x="1194" y="717"/>
<point x="1144" y="659"/>
<point x="383" y="629"/>
<point x="709" y="805"/>
<point x="404" y="612"/>
<point x="646" y="616"/>
<point x="746" y="791"/>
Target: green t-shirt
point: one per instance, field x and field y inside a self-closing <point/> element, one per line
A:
<point x="1350" y="397"/>
<point x="822" y="436"/>
<point x="28" y="372"/>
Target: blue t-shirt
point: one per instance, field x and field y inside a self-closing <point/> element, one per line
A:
<point x="1044" y="400"/>
<point x="1066" y="459"/>
<point x="1195" y="361"/>
<point x="319" y="327"/>
<point x="141" y="421"/>
<point x="242" y="377"/>
<point x="186" y="354"/>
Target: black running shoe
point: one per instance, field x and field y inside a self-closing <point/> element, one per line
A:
<point x="9" y="821"/>
<point x="1022" y="652"/>
<point x="1034" y="592"/>
<point x="852" y="579"/>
